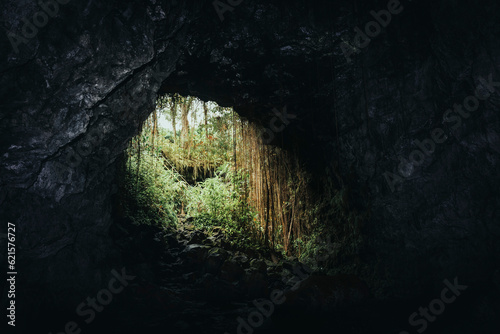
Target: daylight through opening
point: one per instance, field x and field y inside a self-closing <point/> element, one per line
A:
<point x="201" y="165"/>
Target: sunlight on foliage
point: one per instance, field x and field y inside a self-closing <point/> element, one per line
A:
<point x="207" y="165"/>
<point x="154" y="192"/>
<point x="220" y="201"/>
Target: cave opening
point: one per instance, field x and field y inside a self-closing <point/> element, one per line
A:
<point x="221" y="214"/>
<point x="317" y="189"/>
<point x="204" y="166"/>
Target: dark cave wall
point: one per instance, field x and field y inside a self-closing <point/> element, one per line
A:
<point x="89" y="77"/>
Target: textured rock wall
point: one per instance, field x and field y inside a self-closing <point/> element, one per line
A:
<point x="77" y="90"/>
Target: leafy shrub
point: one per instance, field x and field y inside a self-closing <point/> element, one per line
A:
<point x="220" y="201"/>
<point x="152" y="194"/>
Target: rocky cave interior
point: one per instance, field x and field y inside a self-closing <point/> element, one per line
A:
<point x="92" y="73"/>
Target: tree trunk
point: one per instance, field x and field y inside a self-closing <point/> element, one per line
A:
<point x="205" y="113"/>
<point x="173" y="115"/>
<point x="154" y="131"/>
<point x="185" y="106"/>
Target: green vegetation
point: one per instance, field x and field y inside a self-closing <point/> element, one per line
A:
<point x="198" y="162"/>
<point x="217" y="200"/>
<point x="169" y="175"/>
<point x="152" y="193"/>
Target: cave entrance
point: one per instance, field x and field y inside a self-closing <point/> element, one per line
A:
<point x="201" y="165"/>
<point x="228" y="202"/>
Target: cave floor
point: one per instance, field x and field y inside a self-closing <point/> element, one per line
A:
<point x="189" y="282"/>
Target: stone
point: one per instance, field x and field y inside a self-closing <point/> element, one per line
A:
<point x="74" y="95"/>
<point x="195" y="254"/>
<point x="215" y="259"/>
<point x="231" y="270"/>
